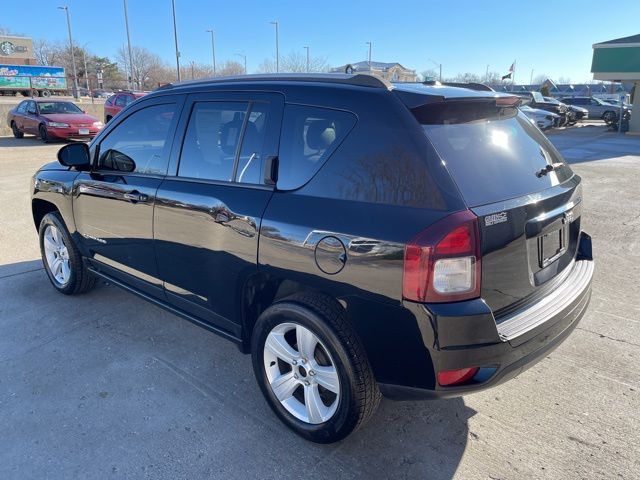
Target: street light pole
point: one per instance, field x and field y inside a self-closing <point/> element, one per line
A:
<point x="307" y="49"/>
<point x="244" y="57"/>
<point x="439" y="65"/>
<point x="175" y="37"/>
<point x="369" y="43"/>
<point x="73" y="57"/>
<point x="126" y="24"/>
<point x="213" y="51"/>
<point x="275" y="22"/>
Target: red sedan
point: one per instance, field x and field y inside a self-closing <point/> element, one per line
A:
<point x="52" y="120"/>
<point x="118" y="101"/>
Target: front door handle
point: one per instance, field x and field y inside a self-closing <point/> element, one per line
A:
<point x="135" y="197"/>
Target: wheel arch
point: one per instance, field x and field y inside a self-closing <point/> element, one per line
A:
<point x="39" y="208"/>
<point x="261" y="291"/>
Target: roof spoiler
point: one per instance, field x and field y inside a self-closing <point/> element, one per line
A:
<point x="415" y="100"/>
<point x="358" y="79"/>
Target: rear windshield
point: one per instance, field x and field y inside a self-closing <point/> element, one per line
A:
<point x="492" y="153"/>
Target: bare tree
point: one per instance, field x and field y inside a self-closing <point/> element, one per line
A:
<point x="429" y="74"/>
<point x="295" y="62"/>
<point x="230" y="67"/>
<point x="148" y="69"/>
<point x="7" y="31"/>
<point x="466" y="77"/>
<point x="46" y="52"/>
<point x="564" y="80"/>
<point x="539" y="79"/>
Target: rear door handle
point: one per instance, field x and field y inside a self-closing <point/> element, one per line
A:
<point x="135" y="197"/>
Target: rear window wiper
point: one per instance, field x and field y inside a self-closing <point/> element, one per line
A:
<point x="549" y="168"/>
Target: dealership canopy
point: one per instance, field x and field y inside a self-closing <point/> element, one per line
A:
<point x="619" y="60"/>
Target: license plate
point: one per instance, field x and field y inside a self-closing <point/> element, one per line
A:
<point x="83" y="131"/>
<point x="551" y="246"/>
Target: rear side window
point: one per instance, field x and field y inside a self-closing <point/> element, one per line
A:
<point x="309" y="136"/>
<point x="22" y="108"/>
<point x="121" y="100"/>
<point x="139" y="144"/>
<point x="492" y="153"/>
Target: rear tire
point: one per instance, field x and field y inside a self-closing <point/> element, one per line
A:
<point x="61" y="259"/>
<point x="326" y="388"/>
<point x="16" y="132"/>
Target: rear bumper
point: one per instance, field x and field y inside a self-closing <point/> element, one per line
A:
<point x="514" y="345"/>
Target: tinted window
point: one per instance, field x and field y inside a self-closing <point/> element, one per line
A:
<point x="22" y="108"/>
<point x="211" y="141"/>
<point x="121" y="100"/>
<point x="110" y="100"/>
<point x="142" y="138"/>
<point x="309" y="136"/>
<point x="492" y="153"/>
<point x="251" y="153"/>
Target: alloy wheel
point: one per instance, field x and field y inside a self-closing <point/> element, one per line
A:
<point x="301" y="373"/>
<point x="57" y="255"/>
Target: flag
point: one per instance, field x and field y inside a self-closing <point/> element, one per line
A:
<point x="512" y="69"/>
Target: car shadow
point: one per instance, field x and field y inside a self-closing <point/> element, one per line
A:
<point x="28" y="141"/>
<point x="148" y="370"/>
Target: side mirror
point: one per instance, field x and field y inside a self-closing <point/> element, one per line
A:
<point x="75" y="155"/>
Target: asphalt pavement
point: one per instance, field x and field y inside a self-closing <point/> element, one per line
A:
<point x="105" y="385"/>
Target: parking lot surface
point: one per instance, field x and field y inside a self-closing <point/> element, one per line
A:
<point x="105" y="385"/>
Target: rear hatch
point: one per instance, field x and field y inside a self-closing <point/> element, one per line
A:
<point x="528" y="201"/>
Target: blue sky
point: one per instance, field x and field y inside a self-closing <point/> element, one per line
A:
<point x="554" y="38"/>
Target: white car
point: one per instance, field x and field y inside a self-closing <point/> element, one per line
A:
<point x="542" y="118"/>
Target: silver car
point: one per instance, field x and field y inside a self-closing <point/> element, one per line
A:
<point x="597" y="108"/>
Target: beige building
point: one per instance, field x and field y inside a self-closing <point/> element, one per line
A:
<point x="16" y="51"/>
<point x="392" y="72"/>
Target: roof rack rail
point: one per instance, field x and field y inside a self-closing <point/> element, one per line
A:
<point x="359" y="79"/>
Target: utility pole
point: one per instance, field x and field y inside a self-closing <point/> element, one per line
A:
<point x="531" y="79"/>
<point x="369" y="43"/>
<point x="213" y="51"/>
<point x="486" y="77"/>
<point x="126" y="24"/>
<point x="73" y="57"/>
<point x="175" y="37"/>
<point x="307" y="49"/>
<point x="192" y="70"/>
<point x="275" y="22"/>
<point x="244" y="57"/>
<point x="439" y="65"/>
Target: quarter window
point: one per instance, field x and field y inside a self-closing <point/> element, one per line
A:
<point x="139" y="144"/>
<point x="309" y="136"/>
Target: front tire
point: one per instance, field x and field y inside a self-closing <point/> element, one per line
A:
<point x="16" y="132"/>
<point x="61" y="258"/>
<point x="312" y="368"/>
<point x="44" y="135"/>
<point x="609" y="117"/>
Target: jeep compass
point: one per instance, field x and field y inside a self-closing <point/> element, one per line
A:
<point x="357" y="238"/>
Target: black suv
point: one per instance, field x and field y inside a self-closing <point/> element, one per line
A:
<point x="357" y="238"/>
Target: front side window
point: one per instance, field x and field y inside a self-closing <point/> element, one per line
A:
<point x="139" y="144"/>
<point x="309" y="136"/>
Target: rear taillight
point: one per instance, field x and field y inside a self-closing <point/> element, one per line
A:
<point x="443" y="262"/>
